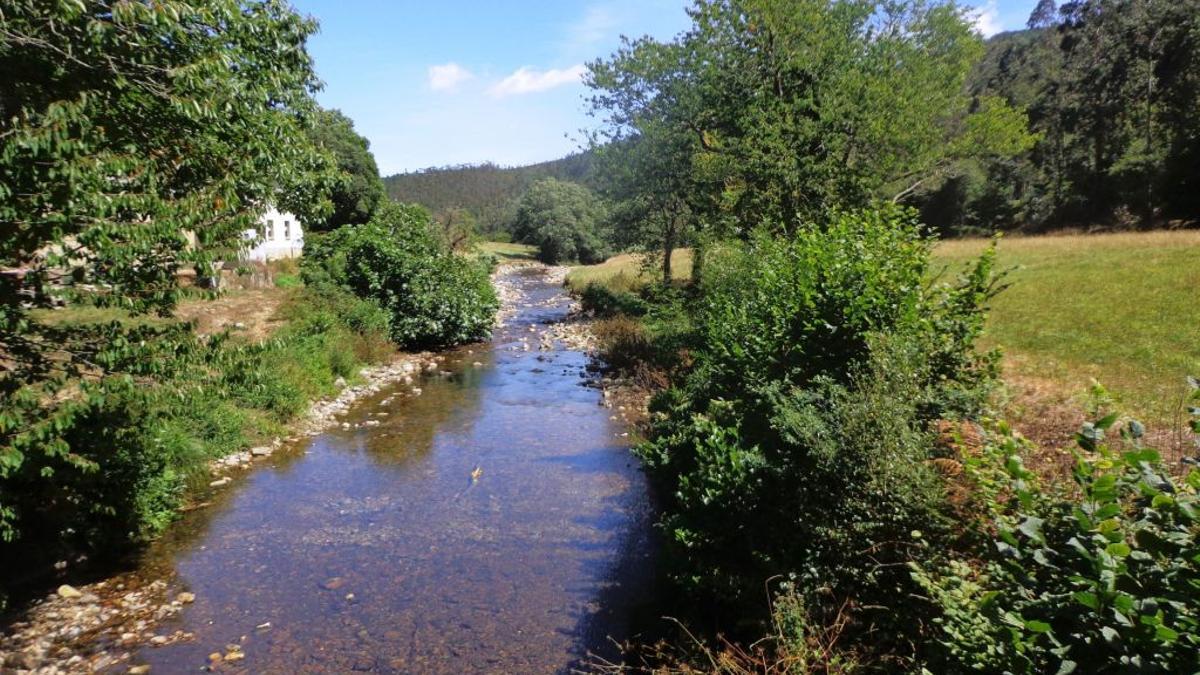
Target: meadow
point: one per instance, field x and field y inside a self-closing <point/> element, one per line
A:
<point x="1119" y="309"/>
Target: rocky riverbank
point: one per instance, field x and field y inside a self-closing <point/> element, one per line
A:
<point x="96" y="626"/>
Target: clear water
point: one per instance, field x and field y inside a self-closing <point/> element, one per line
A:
<point x="372" y="549"/>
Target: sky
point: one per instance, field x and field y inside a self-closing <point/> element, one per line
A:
<point x="446" y="82"/>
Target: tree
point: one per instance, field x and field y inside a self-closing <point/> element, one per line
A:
<point x="125" y="126"/>
<point x="645" y="154"/>
<point x="782" y="110"/>
<point x="563" y="220"/>
<point x="1111" y="92"/>
<point x="457" y="228"/>
<point x="359" y="190"/>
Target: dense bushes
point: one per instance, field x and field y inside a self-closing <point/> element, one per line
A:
<point x="1098" y="575"/>
<point x="108" y="462"/>
<point x="798" y="443"/>
<point x="432" y="297"/>
<point x="820" y="444"/>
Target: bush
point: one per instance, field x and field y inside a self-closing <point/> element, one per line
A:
<point x="798" y="444"/>
<point x="432" y="297"/>
<point x="1101" y="575"/>
<point x="604" y="302"/>
<point x="287" y="281"/>
<point x="106" y="463"/>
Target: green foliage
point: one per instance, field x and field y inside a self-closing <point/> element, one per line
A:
<point x="432" y="296"/>
<point x="358" y="190"/>
<point x="798" y="444"/>
<point x="604" y="302"/>
<point x="287" y="281"/>
<point x="128" y="126"/>
<point x="777" y="111"/>
<point x="105" y="462"/>
<point x="488" y="192"/>
<point x="1097" y="576"/>
<point x="564" y="220"/>
<point x="1116" y="137"/>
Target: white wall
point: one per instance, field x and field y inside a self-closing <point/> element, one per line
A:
<point x="278" y="235"/>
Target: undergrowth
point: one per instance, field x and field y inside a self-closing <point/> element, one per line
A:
<point x="93" y="466"/>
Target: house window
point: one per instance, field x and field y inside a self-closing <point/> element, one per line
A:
<point x="269" y="230"/>
<point x="287" y="229"/>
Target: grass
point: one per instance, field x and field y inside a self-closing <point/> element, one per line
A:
<point x="1123" y="309"/>
<point x="507" y="252"/>
<point x="633" y="267"/>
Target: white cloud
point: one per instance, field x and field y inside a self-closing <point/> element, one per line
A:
<point x="598" y="24"/>
<point x="527" y="80"/>
<point x="448" y="76"/>
<point x="987" y="19"/>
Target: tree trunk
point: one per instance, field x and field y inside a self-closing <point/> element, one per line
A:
<point x="668" y="248"/>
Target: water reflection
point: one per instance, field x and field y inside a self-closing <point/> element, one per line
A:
<point x="372" y="549"/>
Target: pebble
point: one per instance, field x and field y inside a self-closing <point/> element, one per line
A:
<point x="66" y="591"/>
<point x="186" y="597"/>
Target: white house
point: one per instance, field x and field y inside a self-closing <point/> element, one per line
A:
<point x="278" y="235"/>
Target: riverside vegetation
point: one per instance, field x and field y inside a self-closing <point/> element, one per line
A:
<point x="838" y="490"/>
<point x="826" y="428"/>
<point x="109" y="157"/>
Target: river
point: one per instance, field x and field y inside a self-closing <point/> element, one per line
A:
<point x="373" y="549"/>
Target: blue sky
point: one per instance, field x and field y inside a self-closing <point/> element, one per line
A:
<point x="468" y="81"/>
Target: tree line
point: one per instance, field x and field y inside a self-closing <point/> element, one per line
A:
<point x="1086" y="118"/>
<point x="486" y="193"/>
<point x="1112" y="95"/>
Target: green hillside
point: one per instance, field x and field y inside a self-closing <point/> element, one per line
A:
<point x="486" y="190"/>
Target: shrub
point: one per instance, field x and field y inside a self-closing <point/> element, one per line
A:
<point x="624" y="342"/>
<point x="1100" y="575"/>
<point x="104" y="464"/>
<point x="287" y="281"/>
<point x="432" y="297"/>
<point x="604" y="302"/>
<point x="798" y="444"/>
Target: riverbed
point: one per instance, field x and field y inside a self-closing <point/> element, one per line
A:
<point x="487" y="517"/>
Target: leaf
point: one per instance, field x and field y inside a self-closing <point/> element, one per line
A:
<point x="1166" y="634"/>
<point x="1032" y="527"/>
<point x="1087" y="599"/>
<point x="1037" y="626"/>
<point x="1118" y="549"/>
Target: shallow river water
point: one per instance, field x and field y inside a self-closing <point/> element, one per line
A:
<point x="372" y="549"/>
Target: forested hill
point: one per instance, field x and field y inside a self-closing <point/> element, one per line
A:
<point x="486" y="190"/>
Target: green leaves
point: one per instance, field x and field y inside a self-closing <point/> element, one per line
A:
<point x="432" y="296"/>
<point x="564" y="220"/>
<point x="1099" y="571"/>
